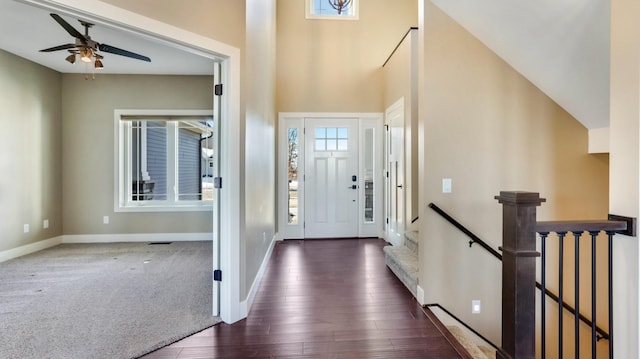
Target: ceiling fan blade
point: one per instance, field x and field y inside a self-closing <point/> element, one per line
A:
<point x="61" y="47"/>
<point x="70" y="29"/>
<point x="121" y="52"/>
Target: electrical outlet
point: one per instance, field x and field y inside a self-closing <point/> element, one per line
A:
<point x="475" y="307"/>
<point x="26" y="228"/>
<point x="105" y="219"/>
<point x="45" y="224"/>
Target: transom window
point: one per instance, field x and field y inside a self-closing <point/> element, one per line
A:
<point x="331" y="139"/>
<point x="332" y="9"/>
<point x="165" y="162"/>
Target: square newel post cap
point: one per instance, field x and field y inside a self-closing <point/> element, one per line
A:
<point x="520" y="198"/>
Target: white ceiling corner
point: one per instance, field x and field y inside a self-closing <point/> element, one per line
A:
<point x="561" y="46"/>
<point x="28" y="29"/>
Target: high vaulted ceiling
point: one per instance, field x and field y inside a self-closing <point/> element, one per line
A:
<point x="561" y="46"/>
<point x="27" y="29"/>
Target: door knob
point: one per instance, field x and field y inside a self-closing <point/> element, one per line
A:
<point x="353" y="187"/>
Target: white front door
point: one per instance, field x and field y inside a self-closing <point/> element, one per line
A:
<point x="331" y="178"/>
<point x="395" y="172"/>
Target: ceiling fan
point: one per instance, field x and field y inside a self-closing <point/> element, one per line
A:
<point x="86" y="47"/>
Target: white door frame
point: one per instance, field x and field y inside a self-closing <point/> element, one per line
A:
<point x="229" y="57"/>
<point x="371" y="121"/>
<point x="394" y="230"/>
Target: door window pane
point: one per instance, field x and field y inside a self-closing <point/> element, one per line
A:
<point x="332" y="139"/>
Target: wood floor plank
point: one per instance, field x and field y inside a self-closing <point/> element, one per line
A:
<point x="323" y="299"/>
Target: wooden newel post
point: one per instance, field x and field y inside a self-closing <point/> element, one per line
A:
<point x="518" y="274"/>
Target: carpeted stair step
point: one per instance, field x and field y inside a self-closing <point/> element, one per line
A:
<point x="403" y="262"/>
<point x="488" y="352"/>
<point x="411" y="240"/>
<point x="471" y="347"/>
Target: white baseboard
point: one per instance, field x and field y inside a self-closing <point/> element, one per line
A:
<point x="420" y="295"/>
<point x="246" y="304"/>
<point x="29" y="248"/>
<point x="136" y="237"/>
<point x="102" y="238"/>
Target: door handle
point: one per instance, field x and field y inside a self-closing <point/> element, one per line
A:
<point x="353" y="186"/>
<point x="399" y="186"/>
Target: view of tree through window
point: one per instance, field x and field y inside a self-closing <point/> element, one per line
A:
<point x="293" y="156"/>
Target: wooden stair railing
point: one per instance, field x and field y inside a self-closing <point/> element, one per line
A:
<point x="519" y="274"/>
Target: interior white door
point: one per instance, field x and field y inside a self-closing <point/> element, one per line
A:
<point x="215" y="167"/>
<point x="395" y="169"/>
<point x="331" y="178"/>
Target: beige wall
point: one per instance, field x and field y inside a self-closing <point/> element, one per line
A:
<point x="259" y="186"/>
<point x="88" y="149"/>
<point x="30" y="152"/>
<point x="624" y="172"/>
<point x="400" y="80"/>
<point x="222" y="20"/>
<point x="334" y="66"/>
<point x="489" y="129"/>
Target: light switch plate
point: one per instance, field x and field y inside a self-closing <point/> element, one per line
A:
<point x="475" y="307"/>
<point x="446" y="185"/>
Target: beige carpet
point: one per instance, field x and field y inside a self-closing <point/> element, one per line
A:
<point x="104" y="300"/>
<point x="473" y="349"/>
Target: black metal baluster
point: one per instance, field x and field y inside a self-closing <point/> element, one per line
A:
<point x="610" y="235"/>
<point x="594" y="338"/>
<point x="576" y="295"/>
<point x="543" y="297"/>
<point x="560" y="286"/>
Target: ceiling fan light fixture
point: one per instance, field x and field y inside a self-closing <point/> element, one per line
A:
<point x="86" y="55"/>
<point x="71" y="58"/>
<point x="98" y="64"/>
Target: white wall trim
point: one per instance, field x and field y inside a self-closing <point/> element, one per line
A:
<point x="420" y="295"/>
<point x="247" y="303"/>
<point x="29" y="248"/>
<point x="102" y="238"/>
<point x="230" y="213"/>
<point x="137" y="237"/>
<point x="297" y="120"/>
<point x="599" y="140"/>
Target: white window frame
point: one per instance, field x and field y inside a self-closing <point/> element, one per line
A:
<point x="122" y="180"/>
<point x="311" y="15"/>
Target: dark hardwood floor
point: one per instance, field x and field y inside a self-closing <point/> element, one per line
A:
<point x="324" y="299"/>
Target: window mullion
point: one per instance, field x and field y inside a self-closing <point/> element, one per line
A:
<point x="172" y="161"/>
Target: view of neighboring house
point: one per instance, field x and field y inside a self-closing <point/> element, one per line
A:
<point x="482" y="122"/>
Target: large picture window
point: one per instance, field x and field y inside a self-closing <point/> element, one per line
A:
<point x="165" y="163"/>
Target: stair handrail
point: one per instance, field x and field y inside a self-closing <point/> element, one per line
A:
<point x="540" y="227"/>
<point x="474" y="239"/>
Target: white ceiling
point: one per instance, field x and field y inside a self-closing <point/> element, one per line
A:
<point x="561" y="46"/>
<point x="27" y="29"/>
